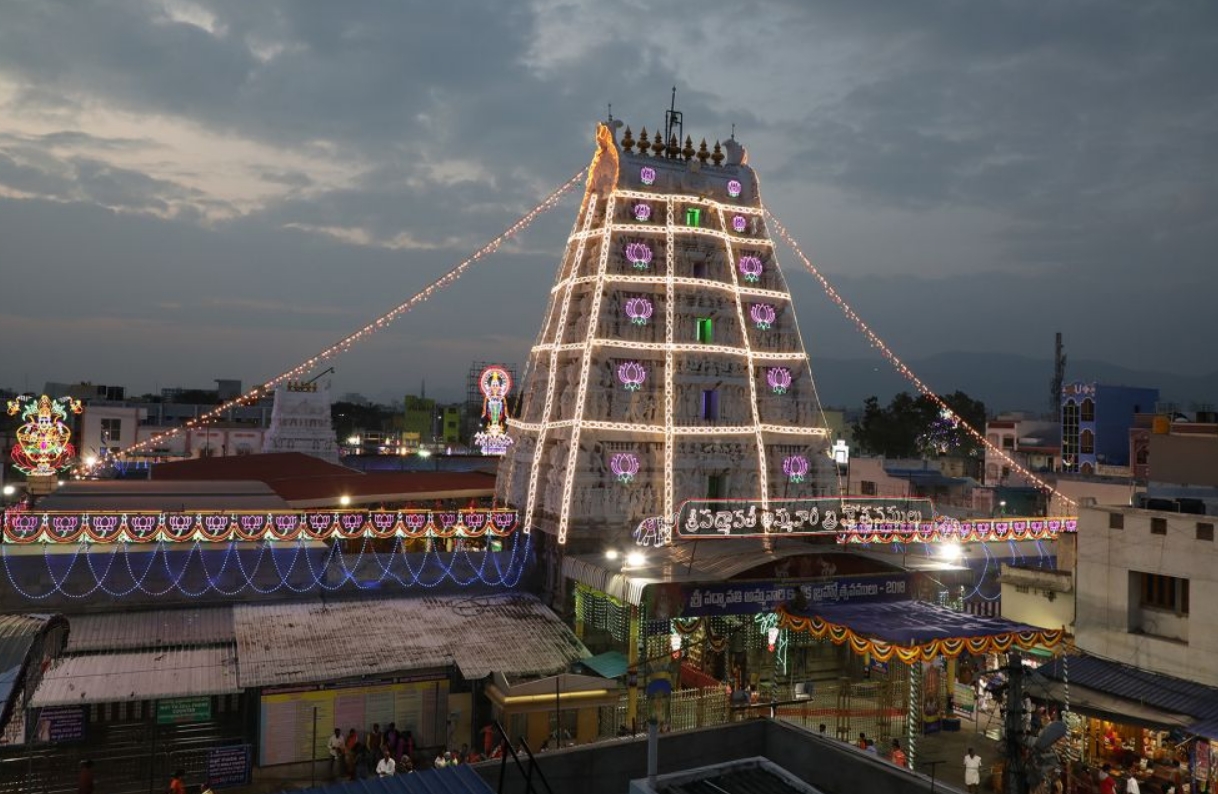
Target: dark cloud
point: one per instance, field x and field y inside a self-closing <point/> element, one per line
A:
<point x="968" y="168"/>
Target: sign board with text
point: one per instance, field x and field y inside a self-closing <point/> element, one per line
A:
<point x="180" y="710"/>
<point x="829" y="515"/>
<point x="747" y="598"/>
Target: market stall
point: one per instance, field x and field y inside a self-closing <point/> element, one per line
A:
<point x="1152" y="726"/>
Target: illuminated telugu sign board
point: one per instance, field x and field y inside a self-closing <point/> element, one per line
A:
<point x="706" y="518"/>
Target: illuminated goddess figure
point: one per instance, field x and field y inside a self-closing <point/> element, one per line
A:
<point x="494" y="383"/>
<point x="42" y="442"/>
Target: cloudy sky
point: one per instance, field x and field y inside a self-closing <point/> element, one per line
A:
<point x="201" y="189"/>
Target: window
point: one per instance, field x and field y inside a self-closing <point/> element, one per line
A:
<point x="710" y="405"/>
<point x="1087" y="442"/>
<point x="699" y="270"/>
<point x="706" y="330"/>
<point x="1205" y="530"/>
<point x="1163" y="592"/>
<point x="1158" y="526"/>
<point x="1116" y="521"/>
<point x="714" y="486"/>
<point x="111" y="431"/>
<point x="693" y="216"/>
<point x="867" y="487"/>
<point x="1008" y="442"/>
<point x="1088" y="410"/>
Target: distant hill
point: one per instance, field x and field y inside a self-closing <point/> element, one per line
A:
<point x="1004" y="382"/>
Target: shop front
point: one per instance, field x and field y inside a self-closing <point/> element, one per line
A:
<point x="555" y="711"/>
<point x="1154" y="727"/>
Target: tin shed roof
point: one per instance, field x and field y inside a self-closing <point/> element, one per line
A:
<point x="144" y="675"/>
<point x="303" y="643"/>
<point x="120" y="631"/>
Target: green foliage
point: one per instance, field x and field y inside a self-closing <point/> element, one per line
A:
<point x="912" y="427"/>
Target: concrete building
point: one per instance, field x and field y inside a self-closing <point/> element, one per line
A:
<point x="1139" y="575"/>
<point x="1034" y="443"/>
<point x="1095" y="423"/>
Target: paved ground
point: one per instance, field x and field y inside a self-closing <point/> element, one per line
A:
<point x="950" y="748"/>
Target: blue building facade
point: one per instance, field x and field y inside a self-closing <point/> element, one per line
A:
<point x="1095" y="423"/>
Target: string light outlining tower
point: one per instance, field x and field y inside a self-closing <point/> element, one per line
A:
<point x="669" y="364"/>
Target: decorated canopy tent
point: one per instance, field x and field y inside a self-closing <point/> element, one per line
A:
<point x="913" y="631"/>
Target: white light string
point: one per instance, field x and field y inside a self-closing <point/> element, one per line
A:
<point x="253" y="395"/>
<point x="530" y="502"/>
<point x="901" y="367"/>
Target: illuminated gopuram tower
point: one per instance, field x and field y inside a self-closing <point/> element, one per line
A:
<point x="669" y="365"/>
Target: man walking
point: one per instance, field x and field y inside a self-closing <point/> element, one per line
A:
<point x="972" y="771"/>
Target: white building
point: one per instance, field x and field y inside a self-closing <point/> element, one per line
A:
<point x="301" y="422"/>
<point x="1146" y="580"/>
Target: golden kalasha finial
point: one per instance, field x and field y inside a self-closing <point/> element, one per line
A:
<point x="674" y="146"/>
<point x="628" y="141"/>
<point x="717" y="157"/>
<point x="688" y="151"/>
<point x="703" y="155"/>
<point x="657" y="144"/>
<point x="643" y="142"/>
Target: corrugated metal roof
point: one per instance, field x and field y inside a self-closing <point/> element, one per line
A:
<point x="146" y="675"/>
<point x="1140" y="686"/>
<point x="119" y="631"/>
<point x="450" y="780"/>
<point x="303" y="643"/>
<point x="18" y="634"/>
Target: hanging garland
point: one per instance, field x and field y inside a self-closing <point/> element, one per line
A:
<point x="925" y="652"/>
<point x="150" y="527"/>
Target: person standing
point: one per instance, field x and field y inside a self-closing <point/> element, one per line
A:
<point x="862" y="742"/>
<point x="177" y="783"/>
<point x="972" y="771"/>
<point x="1107" y="782"/>
<point x="336" y="748"/>
<point x="898" y="755"/>
<point x="84" y="784"/>
<point x="374" y="739"/>
<point x="1131" y="785"/>
<point x="386" y="766"/>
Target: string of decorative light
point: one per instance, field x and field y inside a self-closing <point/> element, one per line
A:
<point x="684" y="281"/>
<point x="577" y="256"/>
<point x="903" y="369"/>
<point x="378" y="324"/>
<point x="308" y="567"/>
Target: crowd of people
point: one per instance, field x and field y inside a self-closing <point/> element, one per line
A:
<point x="388" y="753"/>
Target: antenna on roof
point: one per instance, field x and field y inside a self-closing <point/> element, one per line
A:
<point x="674" y="121"/>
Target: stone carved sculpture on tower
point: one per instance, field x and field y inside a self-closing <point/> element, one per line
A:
<point x="619" y="411"/>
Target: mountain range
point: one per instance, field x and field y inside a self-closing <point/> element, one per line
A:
<point x="1003" y="382"/>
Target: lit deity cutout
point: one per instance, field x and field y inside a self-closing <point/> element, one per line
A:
<point x="495" y="383"/>
<point x="42" y="442"/>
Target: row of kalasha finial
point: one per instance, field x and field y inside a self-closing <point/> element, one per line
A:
<point x="672" y="150"/>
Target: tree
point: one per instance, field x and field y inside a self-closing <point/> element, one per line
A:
<point x="912" y="427"/>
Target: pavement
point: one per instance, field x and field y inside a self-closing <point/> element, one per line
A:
<point x="948" y="748"/>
